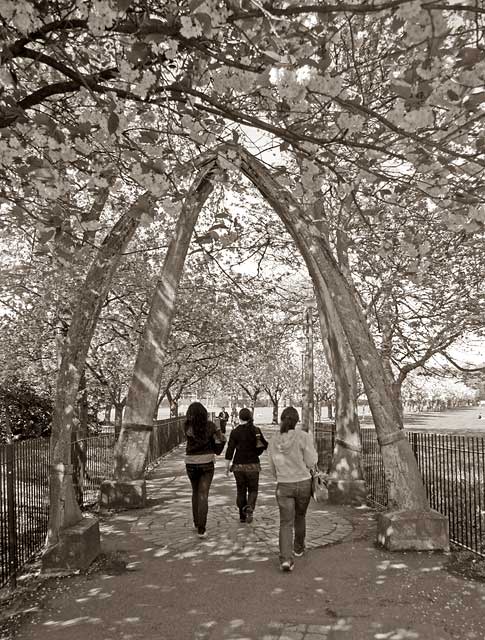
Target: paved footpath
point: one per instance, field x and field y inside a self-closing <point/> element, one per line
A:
<point x="159" y="581"/>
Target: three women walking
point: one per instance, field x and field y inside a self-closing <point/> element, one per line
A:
<point x="291" y="456"/>
<point x="246" y="444"/>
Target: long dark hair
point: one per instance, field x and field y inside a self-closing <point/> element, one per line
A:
<point x="288" y="419"/>
<point x="196" y="422"/>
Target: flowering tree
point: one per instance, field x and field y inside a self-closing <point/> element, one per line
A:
<point x="377" y="102"/>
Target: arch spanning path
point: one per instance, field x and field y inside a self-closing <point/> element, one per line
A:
<point x="335" y="297"/>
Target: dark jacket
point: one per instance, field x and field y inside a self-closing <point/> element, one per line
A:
<point x="243" y="441"/>
<point x="198" y="447"/>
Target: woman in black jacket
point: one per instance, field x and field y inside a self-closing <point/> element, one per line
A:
<point x="246" y="444"/>
<point x="204" y="442"/>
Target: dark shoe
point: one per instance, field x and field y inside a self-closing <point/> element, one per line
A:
<point x="287" y="566"/>
<point x="201" y="532"/>
<point x="299" y="554"/>
<point x="242" y="520"/>
<point x="249" y="514"/>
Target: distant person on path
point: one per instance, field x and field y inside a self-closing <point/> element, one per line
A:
<point x="291" y="455"/>
<point x="204" y="442"/>
<point x="234" y="416"/>
<point x="223" y="418"/>
<point x="246" y="444"/>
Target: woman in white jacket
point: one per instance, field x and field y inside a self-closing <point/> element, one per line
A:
<point x="291" y="455"/>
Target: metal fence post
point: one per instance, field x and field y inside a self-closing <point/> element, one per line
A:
<point x="11" y="516"/>
<point x="414" y="443"/>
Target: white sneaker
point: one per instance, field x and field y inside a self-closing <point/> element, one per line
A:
<point x="287" y="565"/>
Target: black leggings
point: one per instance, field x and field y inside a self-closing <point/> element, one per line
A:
<point x="200" y="476"/>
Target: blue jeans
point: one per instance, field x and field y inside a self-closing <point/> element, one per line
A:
<point x="200" y="476"/>
<point x="293" y="499"/>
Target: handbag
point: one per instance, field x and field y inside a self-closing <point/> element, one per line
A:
<point x="217" y="442"/>
<point x="260" y="445"/>
<point x="319" y="486"/>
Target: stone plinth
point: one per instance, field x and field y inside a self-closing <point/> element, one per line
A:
<point x="413" y="531"/>
<point x="347" y="491"/>
<point x="116" y="494"/>
<point x="78" y="546"/>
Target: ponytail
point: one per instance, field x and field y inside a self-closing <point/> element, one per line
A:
<point x="288" y="419"/>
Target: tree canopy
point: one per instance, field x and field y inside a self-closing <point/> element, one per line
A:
<point x="370" y="113"/>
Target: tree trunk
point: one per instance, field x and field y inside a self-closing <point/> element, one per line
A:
<point x="275" y="411"/>
<point x="64" y="511"/>
<point x="119" y="406"/>
<point x="94" y="213"/>
<point x="330" y="409"/>
<point x="174" y="409"/>
<point x="318" y="407"/>
<point x="252" y="395"/>
<point x="78" y="455"/>
<point x="8" y="429"/>
<point x="307" y="408"/>
<point x="346" y="462"/>
<point x="404" y="483"/>
<point x="387" y="330"/>
<point x="254" y="399"/>
<point x="274" y="398"/>
<point x="78" y="444"/>
<point x="396" y="389"/>
<point x="173" y="405"/>
<point x="83" y="409"/>
<point x="107" y="413"/>
<point x="132" y="445"/>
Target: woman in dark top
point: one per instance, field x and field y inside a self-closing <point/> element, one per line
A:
<point x="246" y="444"/>
<point x="204" y="442"/>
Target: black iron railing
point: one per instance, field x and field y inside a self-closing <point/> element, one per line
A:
<point x="24" y="487"/>
<point x="24" y="470"/>
<point x="92" y="460"/>
<point x="166" y="435"/>
<point x="324" y="443"/>
<point x="453" y="471"/>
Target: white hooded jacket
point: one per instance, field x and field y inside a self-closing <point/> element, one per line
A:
<point x="291" y="455"/>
